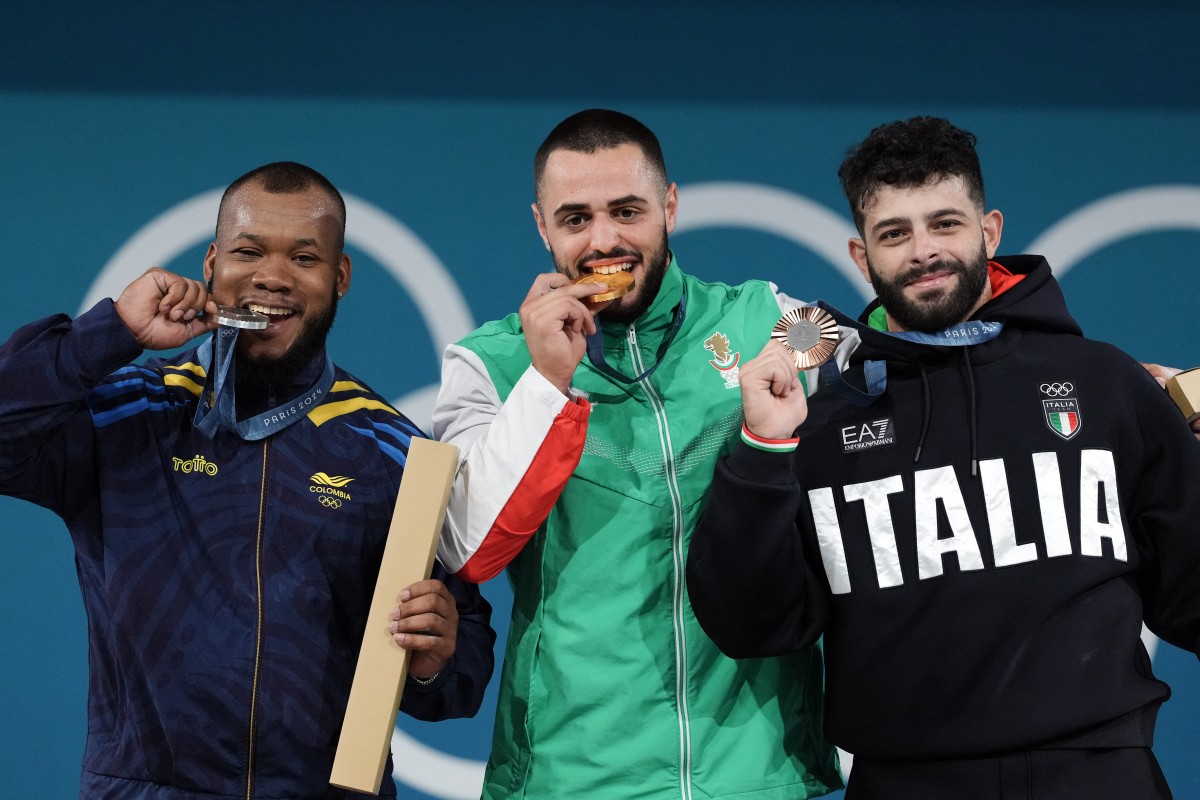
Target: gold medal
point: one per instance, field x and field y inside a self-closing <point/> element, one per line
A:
<point x="619" y="285"/>
<point x="810" y="335"/>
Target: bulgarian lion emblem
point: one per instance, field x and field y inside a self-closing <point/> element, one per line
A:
<point x="724" y="359"/>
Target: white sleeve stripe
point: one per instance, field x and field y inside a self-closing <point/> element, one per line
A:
<point x="497" y="443"/>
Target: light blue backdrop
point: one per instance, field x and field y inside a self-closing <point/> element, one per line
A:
<point x="112" y="117"/>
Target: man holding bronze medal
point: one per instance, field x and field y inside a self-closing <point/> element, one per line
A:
<point x="588" y="446"/>
<point x="977" y="514"/>
<point x="229" y="507"/>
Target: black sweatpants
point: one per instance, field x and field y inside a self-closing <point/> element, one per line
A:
<point x="1113" y="774"/>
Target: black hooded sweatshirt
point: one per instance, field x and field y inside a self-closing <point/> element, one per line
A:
<point x="979" y="545"/>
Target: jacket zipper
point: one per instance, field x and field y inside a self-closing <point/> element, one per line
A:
<point x="677" y="556"/>
<point x="258" y="638"/>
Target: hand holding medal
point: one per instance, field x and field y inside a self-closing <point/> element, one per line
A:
<point x="774" y="403"/>
<point x="809" y="333"/>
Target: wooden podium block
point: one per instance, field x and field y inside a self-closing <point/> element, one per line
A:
<point x="1184" y="389"/>
<point x="366" y="737"/>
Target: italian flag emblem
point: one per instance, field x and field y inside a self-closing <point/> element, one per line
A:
<point x="1062" y="416"/>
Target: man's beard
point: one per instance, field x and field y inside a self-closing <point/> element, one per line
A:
<point x="627" y="309"/>
<point x="937" y="313"/>
<point x="257" y="375"/>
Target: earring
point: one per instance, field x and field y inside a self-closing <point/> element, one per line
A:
<point x="339" y="294"/>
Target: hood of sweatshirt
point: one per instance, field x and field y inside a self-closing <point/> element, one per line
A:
<point x="1026" y="298"/>
<point x="1032" y="303"/>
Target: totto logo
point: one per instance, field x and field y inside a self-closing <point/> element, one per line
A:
<point x="196" y="463"/>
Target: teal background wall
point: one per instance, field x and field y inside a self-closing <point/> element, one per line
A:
<point x="113" y="115"/>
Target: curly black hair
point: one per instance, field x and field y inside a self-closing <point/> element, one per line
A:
<point x="909" y="153"/>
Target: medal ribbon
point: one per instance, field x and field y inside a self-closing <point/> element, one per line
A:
<point x="218" y="354"/>
<point x="962" y="334"/>
<point x="595" y="345"/>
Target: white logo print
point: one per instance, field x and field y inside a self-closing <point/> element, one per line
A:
<point x="1057" y="389"/>
<point x="865" y="435"/>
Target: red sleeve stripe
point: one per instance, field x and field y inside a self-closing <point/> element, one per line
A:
<point x="535" y="495"/>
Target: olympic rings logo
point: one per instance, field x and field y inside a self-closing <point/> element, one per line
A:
<point x="1057" y="389"/>
<point x="330" y="502"/>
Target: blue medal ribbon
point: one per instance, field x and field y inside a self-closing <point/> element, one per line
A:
<point x="595" y="346"/>
<point x="217" y="408"/>
<point x="962" y="334"/>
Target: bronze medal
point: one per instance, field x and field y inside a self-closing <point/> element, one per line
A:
<point x="810" y="335"/>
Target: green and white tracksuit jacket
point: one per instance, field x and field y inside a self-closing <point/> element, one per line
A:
<point x="610" y="688"/>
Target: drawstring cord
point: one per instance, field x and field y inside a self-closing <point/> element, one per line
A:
<point x="925" y="405"/>
<point x="963" y="334"/>
<point x="974" y="426"/>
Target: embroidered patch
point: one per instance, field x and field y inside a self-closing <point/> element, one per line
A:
<point x="197" y="463"/>
<point x="724" y="360"/>
<point x="330" y="490"/>
<point x="1061" y="408"/>
<point x="866" y="435"/>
